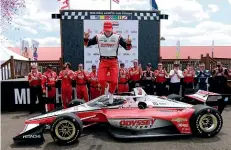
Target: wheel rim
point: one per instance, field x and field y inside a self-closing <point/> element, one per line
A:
<point x="208" y="122"/>
<point x="65" y="130"/>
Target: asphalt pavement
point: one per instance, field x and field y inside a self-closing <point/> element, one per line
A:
<point x="99" y="139"/>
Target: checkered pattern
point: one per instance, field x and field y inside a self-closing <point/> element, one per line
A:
<point x="75" y="15"/>
<point x="146" y="16"/>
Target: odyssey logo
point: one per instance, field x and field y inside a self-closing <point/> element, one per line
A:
<point x="143" y="122"/>
<point x="107" y="45"/>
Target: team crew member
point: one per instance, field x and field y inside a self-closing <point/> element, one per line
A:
<point x="108" y="80"/>
<point x="175" y="79"/>
<point x="220" y="75"/>
<point x="147" y="80"/>
<point x="160" y="75"/>
<point x="66" y="75"/>
<point x="202" y="76"/>
<point x="229" y="73"/>
<point x="135" y="74"/>
<point x="34" y="78"/>
<point x="123" y="79"/>
<point x="94" y="85"/>
<point x="188" y="80"/>
<point x="49" y="81"/>
<point x="81" y="78"/>
<point x="108" y="43"/>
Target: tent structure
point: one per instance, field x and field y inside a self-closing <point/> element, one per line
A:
<point x="5" y="55"/>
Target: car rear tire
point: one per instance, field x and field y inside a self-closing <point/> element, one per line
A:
<point x="206" y="121"/>
<point x="75" y="102"/>
<point x="66" y="129"/>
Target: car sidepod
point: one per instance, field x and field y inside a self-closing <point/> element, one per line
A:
<point x="205" y="121"/>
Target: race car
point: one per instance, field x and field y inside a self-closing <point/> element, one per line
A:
<point x="130" y="115"/>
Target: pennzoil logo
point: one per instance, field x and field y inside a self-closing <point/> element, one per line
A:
<point x="180" y="119"/>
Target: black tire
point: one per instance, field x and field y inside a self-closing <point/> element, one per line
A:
<point x="75" y="102"/>
<point x="75" y="123"/>
<point x="202" y="111"/>
<point x="142" y="105"/>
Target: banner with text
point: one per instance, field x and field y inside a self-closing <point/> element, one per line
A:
<point x="122" y="27"/>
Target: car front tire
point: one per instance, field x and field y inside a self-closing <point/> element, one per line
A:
<point x="66" y="129"/>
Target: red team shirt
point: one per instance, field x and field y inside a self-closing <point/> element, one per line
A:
<point x="66" y="76"/>
<point x="35" y="78"/>
<point x="81" y="77"/>
<point x="160" y="76"/>
<point x="93" y="79"/>
<point x="135" y="73"/>
<point x="189" y="76"/>
<point x="123" y="75"/>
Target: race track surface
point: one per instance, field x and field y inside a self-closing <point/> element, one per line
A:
<point x="99" y="139"/>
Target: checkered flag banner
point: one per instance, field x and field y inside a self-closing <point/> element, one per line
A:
<point x="146" y="16"/>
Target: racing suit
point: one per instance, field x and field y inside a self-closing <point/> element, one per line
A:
<point x="203" y="76"/>
<point x="49" y="82"/>
<point x="147" y="81"/>
<point x="135" y="76"/>
<point x="66" y="76"/>
<point x="108" y="48"/>
<point x="188" y="81"/>
<point x="123" y="80"/>
<point x="94" y="85"/>
<point x="160" y="82"/>
<point x="35" y="85"/>
<point x="81" y="85"/>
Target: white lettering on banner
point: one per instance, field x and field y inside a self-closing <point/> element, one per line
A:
<point x="28" y="96"/>
<point x="124" y="28"/>
<point x="22" y="97"/>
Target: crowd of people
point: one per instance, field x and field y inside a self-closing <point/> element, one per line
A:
<point x="158" y="82"/>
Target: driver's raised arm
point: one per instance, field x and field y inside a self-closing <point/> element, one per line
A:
<point x="89" y="42"/>
<point x="124" y="44"/>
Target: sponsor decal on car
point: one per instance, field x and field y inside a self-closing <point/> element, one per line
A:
<point x="31" y="136"/>
<point x="183" y="125"/>
<point x="143" y="122"/>
<point x="179" y="119"/>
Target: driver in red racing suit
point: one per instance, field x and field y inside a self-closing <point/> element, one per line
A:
<point x="108" y="43"/>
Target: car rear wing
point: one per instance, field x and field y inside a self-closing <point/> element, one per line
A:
<point x="205" y="96"/>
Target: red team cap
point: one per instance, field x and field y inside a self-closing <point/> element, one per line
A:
<point x="107" y="26"/>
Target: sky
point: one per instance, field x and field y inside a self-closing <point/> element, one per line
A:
<point x="193" y="22"/>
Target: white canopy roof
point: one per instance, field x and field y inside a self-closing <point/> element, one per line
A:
<point x="5" y="55"/>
